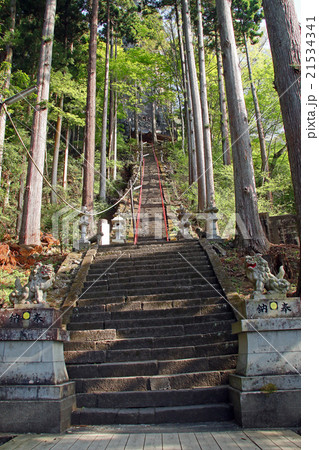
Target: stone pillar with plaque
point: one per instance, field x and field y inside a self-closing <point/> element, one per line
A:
<point x="265" y="390"/>
<point x="36" y="395"/>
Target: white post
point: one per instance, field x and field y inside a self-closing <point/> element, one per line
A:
<point x="104" y="232"/>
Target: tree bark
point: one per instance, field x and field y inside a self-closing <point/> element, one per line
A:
<point x="249" y="230"/>
<point x="192" y="166"/>
<point x="209" y="175"/>
<point x="111" y="110"/>
<point x="102" y="193"/>
<point x="198" y="120"/>
<point x="222" y="104"/>
<point x="260" y="128"/>
<point x="285" y="44"/>
<point x="20" y="195"/>
<point x="88" y="175"/>
<point x="55" y="163"/>
<point x="6" y="85"/>
<point x="31" y="219"/>
<point x="66" y="158"/>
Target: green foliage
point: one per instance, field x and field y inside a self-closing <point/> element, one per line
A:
<point x="247" y="14"/>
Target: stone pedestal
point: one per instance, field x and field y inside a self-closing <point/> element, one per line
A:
<point x="265" y="391"/>
<point x="35" y="392"/>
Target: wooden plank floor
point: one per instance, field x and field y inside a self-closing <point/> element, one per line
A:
<point x="101" y="438"/>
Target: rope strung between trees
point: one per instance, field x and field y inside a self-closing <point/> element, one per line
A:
<point x="161" y="191"/>
<point x="50" y="185"/>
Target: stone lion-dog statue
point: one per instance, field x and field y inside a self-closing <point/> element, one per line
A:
<point x="34" y="292"/>
<point x="258" y="272"/>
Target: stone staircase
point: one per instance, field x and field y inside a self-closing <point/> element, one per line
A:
<point x="150" y="338"/>
<point x="151" y="224"/>
<point x="150" y="341"/>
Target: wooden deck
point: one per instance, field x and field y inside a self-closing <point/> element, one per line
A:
<point x="126" y="438"/>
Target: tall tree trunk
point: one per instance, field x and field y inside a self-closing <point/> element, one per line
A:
<point x="54" y="178"/>
<point x="198" y="120"/>
<point x="31" y="220"/>
<point x="285" y="43"/>
<point x="88" y="178"/>
<point x="111" y="113"/>
<point x="222" y="104"/>
<point x="20" y="194"/>
<point x="260" y="128"/>
<point x="115" y="122"/>
<point x="249" y="230"/>
<point x="192" y="167"/>
<point x="66" y="158"/>
<point x="115" y="131"/>
<point x="6" y="84"/>
<point x="102" y="193"/>
<point x="209" y="175"/>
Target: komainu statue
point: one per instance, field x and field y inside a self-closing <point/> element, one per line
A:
<point x="258" y="272"/>
<point x="34" y="292"/>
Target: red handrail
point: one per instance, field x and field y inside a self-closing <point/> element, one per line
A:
<point x="162" y="198"/>
<point x="139" y="205"/>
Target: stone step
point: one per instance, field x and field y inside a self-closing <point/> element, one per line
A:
<point x="151" y="245"/>
<point x="153" y="301"/>
<point x="203" y="269"/>
<point x="153" y="383"/>
<point x="138" y="280"/>
<point x="158" y="415"/>
<point x="144" y="354"/>
<point x="93" y="313"/>
<point x="146" y="260"/>
<point x="94" y="341"/>
<point x="193" y="290"/>
<point x="105" y="322"/>
<point x="149" y="287"/>
<point x="151" y="368"/>
<point x="132" y="274"/>
<point x="174" y="330"/>
<point x="152" y="251"/>
<point x="152" y="399"/>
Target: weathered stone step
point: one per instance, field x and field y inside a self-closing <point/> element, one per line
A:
<point x="150" y="269"/>
<point x="106" y="321"/>
<point x="112" y="284"/>
<point x="146" y="303"/>
<point x="153" y="301"/>
<point x="195" y="289"/>
<point x="144" y="354"/>
<point x="150" y="245"/>
<point x="132" y="274"/>
<point x="153" y="383"/>
<point x="114" y="279"/>
<point x="89" y="314"/>
<point x="151" y="368"/>
<point x="145" y="260"/>
<point x="148" y="399"/>
<point x="94" y="342"/>
<point x="158" y="415"/>
<point x="174" y="330"/>
<point x="149" y="250"/>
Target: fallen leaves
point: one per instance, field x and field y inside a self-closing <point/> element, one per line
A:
<point x="13" y="254"/>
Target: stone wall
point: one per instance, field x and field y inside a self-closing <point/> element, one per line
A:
<point x="280" y="229"/>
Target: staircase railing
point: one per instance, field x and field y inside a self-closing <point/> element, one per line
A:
<point x="162" y="197"/>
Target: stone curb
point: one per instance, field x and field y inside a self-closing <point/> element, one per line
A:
<point x="77" y="285"/>
<point x="232" y="296"/>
